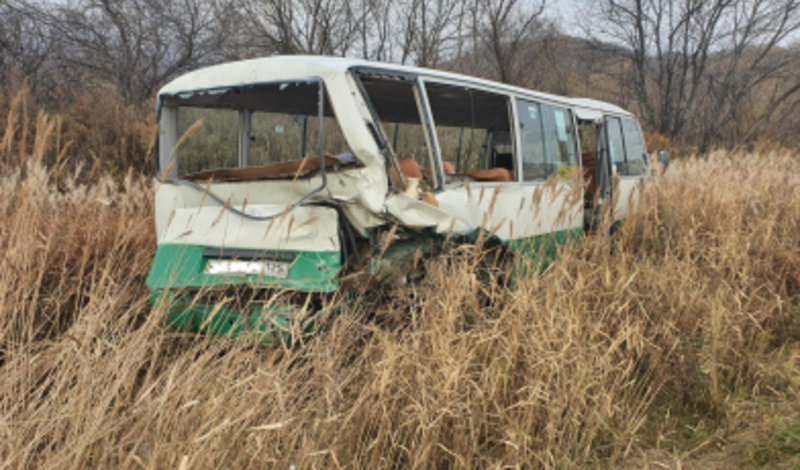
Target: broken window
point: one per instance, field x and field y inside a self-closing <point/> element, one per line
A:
<point x="280" y="138"/>
<point x="398" y="104"/>
<point x="210" y="136"/>
<point x="409" y="142"/>
<point x="257" y="126"/>
<point x="474" y="133"/>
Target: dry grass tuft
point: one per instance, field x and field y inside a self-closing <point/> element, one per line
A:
<point x="691" y="306"/>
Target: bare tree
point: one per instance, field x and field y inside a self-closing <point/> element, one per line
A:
<point x="329" y="27"/>
<point x="692" y="64"/>
<point x="376" y="29"/>
<point x="135" y="44"/>
<point x="430" y="30"/>
<point x="502" y="29"/>
<point x="26" y="49"/>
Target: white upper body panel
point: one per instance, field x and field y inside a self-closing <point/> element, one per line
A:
<point x="279" y="68"/>
<point x="513" y="211"/>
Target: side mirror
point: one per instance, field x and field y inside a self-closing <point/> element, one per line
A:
<point x="663" y="159"/>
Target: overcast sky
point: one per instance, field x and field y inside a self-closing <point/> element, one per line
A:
<point x="564" y="11"/>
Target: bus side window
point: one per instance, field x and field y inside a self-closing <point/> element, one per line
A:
<point x="548" y="141"/>
<point x="635" y="150"/>
<point x="396" y="102"/>
<point x="534" y="163"/>
<point x="616" y="145"/>
<point x="474" y="133"/>
<point x="559" y="138"/>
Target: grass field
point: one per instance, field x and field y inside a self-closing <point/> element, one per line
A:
<point x="675" y="344"/>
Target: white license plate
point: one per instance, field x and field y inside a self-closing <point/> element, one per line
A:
<point x="255" y="268"/>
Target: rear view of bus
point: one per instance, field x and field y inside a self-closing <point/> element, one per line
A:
<point x="246" y="241"/>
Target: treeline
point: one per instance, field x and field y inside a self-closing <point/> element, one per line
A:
<point x="699" y="73"/>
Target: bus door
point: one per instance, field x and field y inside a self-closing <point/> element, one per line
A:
<point x="597" y="169"/>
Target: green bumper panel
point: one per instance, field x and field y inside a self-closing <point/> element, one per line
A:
<point x="177" y="266"/>
<point x="263" y="324"/>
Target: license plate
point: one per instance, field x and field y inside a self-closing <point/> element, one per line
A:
<point x="255" y="268"/>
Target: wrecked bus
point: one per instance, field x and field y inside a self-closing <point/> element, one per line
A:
<point x="287" y="179"/>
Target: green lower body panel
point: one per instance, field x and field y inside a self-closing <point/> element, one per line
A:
<point x="177" y="266"/>
<point x="287" y="324"/>
<point x="532" y="254"/>
<point x="544" y="247"/>
<point x="535" y="254"/>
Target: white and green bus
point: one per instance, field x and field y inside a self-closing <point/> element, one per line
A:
<point x="296" y="177"/>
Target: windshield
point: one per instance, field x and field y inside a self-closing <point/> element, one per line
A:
<point x="268" y="131"/>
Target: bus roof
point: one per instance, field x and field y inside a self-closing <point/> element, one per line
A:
<point x="278" y="68"/>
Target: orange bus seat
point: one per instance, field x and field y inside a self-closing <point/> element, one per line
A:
<point x="493" y="175"/>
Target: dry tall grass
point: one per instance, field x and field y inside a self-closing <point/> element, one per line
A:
<point x="692" y="306"/>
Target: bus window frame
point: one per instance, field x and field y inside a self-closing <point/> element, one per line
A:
<point x="620" y="119"/>
<point x="512" y="125"/>
<point x="425" y="116"/>
<point x="573" y="114"/>
<point x="644" y="155"/>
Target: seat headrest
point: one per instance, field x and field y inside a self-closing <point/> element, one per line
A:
<point x="410" y="168"/>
